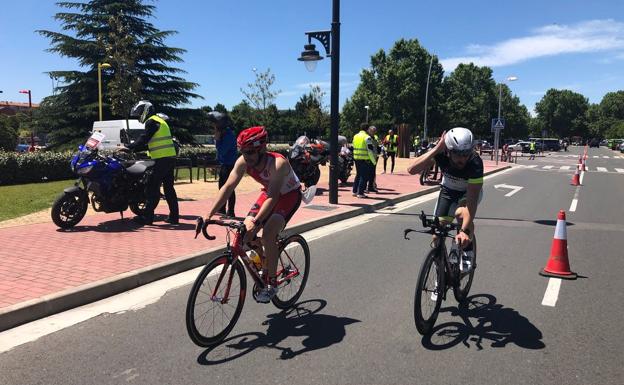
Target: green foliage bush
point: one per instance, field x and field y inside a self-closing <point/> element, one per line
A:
<point x="18" y="168"/>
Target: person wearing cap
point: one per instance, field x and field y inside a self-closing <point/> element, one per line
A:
<point x="226" y="154"/>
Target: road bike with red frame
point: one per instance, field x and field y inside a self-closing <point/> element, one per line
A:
<point x="217" y="297"/>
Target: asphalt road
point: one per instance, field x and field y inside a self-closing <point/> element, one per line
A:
<point x="355" y="324"/>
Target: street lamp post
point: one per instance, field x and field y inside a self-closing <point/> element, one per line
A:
<point x="331" y="43"/>
<point x="32" y="132"/>
<point x="100" y="66"/>
<point x="366" y="107"/>
<point x="427" y="97"/>
<point x="497" y="131"/>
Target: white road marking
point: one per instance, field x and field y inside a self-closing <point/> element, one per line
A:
<point x="576" y="196"/>
<point x="596" y="156"/>
<point x="564" y="168"/>
<point x="552" y="292"/>
<point x="581" y="178"/>
<point x="514" y="189"/>
<point x="605" y="157"/>
<point x="547" y="167"/>
<point x="601" y="169"/>
<point x="619" y="169"/>
<point x="573" y="205"/>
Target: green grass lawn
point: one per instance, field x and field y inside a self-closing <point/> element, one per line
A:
<point x="19" y="200"/>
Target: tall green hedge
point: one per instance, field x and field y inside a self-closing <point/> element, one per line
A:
<point x="31" y="167"/>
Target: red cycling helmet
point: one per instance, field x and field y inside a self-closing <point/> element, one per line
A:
<point x="253" y="137"/>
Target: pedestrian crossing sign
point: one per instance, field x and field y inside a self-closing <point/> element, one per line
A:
<point x="498" y="124"/>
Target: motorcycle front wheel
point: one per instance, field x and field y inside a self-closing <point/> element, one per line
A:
<point x="69" y="209"/>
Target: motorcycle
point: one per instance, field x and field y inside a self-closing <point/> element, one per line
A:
<point x="108" y="183"/>
<point x="305" y="157"/>
<point x="345" y="163"/>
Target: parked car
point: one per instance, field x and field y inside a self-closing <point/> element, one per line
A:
<point x="524" y="146"/>
<point x="622" y="147"/>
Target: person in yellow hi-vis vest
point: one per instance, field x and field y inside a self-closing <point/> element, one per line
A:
<point x="157" y="139"/>
<point x="364" y="157"/>
<point x="391" y="141"/>
<point x="372" y="182"/>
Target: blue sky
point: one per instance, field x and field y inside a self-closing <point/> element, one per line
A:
<point x="572" y="44"/>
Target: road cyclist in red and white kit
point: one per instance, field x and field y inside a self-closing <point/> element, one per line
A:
<point x="279" y="199"/>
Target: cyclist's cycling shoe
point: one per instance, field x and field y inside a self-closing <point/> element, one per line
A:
<point x="265" y="294"/>
<point x="467" y="265"/>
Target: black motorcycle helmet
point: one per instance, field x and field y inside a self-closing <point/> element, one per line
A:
<point x="142" y="110"/>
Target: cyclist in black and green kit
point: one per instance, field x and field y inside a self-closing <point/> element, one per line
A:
<point x="462" y="183"/>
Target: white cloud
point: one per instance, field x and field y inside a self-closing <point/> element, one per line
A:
<point x="589" y="36"/>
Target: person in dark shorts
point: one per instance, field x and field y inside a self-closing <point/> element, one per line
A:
<point x="462" y="183"/>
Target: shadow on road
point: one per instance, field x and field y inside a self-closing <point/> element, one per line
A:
<point x="320" y="331"/>
<point x="484" y="319"/>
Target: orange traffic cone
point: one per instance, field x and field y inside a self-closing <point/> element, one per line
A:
<point x="558" y="265"/>
<point x="576" y="181"/>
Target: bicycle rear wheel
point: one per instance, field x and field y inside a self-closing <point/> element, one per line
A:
<point x="210" y="314"/>
<point x="462" y="288"/>
<point x="429" y="292"/>
<point x="292" y="271"/>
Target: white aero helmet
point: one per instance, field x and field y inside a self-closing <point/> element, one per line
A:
<point x="458" y="139"/>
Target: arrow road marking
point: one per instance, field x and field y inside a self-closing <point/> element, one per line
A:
<point x="514" y="189"/>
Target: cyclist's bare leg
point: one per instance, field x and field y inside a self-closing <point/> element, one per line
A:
<point x="459" y="214"/>
<point x="270" y="232"/>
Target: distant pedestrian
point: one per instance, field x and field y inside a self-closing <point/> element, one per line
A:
<point x="391" y="142"/>
<point x="532" y="150"/>
<point x="372" y="183"/>
<point x="226" y="155"/>
<point x="363" y="156"/>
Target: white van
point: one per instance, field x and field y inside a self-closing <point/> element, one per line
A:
<point x="118" y="133"/>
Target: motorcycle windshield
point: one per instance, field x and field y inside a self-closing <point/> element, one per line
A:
<point x="302" y="141"/>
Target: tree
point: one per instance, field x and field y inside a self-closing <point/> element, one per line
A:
<point x="312" y="113"/>
<point x="471" y="99"/>
<point x="394" y="89"/>
<point x="562" y="113"/>
<point x="115" y="32"/>
<point x="9" y="126"/>
<point x="261" y="95"/>
<point x="604" y="119"/>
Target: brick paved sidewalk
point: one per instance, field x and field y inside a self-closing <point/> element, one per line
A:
<point x="40" y="264"/>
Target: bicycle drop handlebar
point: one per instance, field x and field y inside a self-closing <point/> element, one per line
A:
<point x="202" y="226"/>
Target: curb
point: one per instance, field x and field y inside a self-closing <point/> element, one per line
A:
<point x="47" y="305"/>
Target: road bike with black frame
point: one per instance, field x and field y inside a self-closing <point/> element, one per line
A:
<point x="217" y="297"/>
<point x="439" y="272"/>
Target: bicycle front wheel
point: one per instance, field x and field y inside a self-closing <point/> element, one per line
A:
<point x="216" y="301"/>
<point x="292" y="271"/>
<point x="429" y="292"/>
<point x="461" y="290"/>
